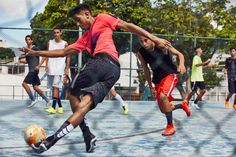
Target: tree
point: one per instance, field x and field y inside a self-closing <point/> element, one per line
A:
<point x="177" y="19"/>
<point x="6" y="53"/>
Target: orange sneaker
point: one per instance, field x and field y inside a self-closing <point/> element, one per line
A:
<point x="185" y="107"/>
<point x="226" y="104"/>
<point x="234" y="106"/>
<point x="170" y="130"/>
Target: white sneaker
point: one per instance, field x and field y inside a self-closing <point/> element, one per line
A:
<point x="195" y="106"/>
<point x="32" y="103"/>
<point x="48" y="104"/>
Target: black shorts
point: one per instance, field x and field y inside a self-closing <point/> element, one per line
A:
<point x="97" y="77"/>
<point x="232" y="86"/>
<point x="198" y="84"/>
<point x="32" y="78"/>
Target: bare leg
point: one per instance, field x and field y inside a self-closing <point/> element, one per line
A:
<point x="113" y="92"/>
<point x="27" y="89"/>
<point x="189" y="96"/>
<point x="166" y="108"/>
<point x="40" y="92"/>
<point x="199" y="97"/>
<point x="88" y="136"/>
<point x="79" y="109"/>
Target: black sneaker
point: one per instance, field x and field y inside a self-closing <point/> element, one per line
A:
<point x="90" y="141"/>
<point x="44" y="145"/>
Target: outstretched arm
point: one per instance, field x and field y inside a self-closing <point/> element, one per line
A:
<point x="52" y="53"/>
<point x="204" y="63"/>
<point x="161" y="43"/>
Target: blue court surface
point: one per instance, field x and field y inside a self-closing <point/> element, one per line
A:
<point x="208" y="132"/>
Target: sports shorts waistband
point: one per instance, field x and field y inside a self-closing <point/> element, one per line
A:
<point x="105" y="55"/>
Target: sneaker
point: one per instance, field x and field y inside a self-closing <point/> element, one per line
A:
<point x="226" y="104"/>
<point x="47" y="105"/>
<point x="170" y="130"/>
<point x="234" y="106"/>
<point x="195" y="106"/>
<point x="51" y="110"/>
<point x="60" y="110"/>
<point x="186" y="108"/>
<point x="125" y="109"/>
<point x="43" y="146"/>
<point x="90" y="141"/>
<point x="32" y="103"/>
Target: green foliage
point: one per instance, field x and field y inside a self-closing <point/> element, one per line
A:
<point x="210" y="73"/>
<point x="171" y="17"/>
<point x="6" y="53"/>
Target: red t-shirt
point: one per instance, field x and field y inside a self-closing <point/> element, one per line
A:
<point x="99" y="37"/>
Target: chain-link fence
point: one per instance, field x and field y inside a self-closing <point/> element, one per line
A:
<point x="203" y="131"/>
<point x="131" y="84"/>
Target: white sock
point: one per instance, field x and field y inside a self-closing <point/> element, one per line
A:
<point x="65" y="131"/>
<point x="118" y="97"/>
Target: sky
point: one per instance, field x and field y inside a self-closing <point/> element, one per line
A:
<point x="17" y="13"/>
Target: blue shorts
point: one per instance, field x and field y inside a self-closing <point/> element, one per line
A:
<point x="97" y="77"/>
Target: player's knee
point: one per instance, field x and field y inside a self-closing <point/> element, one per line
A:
<point x="36" y="88"/>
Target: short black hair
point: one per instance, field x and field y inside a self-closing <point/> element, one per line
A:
<point x="232" y="48"/>
<point x="56" y="27"/>
<point x="197" y="47"/>
<point x="28" y="36"/>
<point x="79" y="8"/>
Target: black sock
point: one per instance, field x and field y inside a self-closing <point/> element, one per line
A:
<point x="59" y="102"/>
<point x="169" y="117"/>
<point x="195" y="102"/>
<point x="54" y="102"/>
<point x="84" y="128"/>
<point x="177" y="106"/>
<point x="61" y="132"/>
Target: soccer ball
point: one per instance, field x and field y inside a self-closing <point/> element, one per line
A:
<point x="34" y="134"/>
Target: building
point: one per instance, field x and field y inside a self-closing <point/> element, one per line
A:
<point x="3" y="43"/>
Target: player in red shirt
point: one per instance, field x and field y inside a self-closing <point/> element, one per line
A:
<point x="99" y="74"/>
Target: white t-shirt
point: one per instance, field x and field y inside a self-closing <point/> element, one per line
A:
<point x="56" y="66"/>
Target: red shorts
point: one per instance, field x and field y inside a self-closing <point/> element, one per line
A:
<point x="166" y="86"/>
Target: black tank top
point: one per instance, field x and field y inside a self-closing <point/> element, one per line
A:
<point x="160" y="63"/>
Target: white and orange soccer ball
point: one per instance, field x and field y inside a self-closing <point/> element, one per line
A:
<point x="34" y="134"/>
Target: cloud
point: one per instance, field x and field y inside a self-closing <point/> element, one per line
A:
<point x="19" y="8"/>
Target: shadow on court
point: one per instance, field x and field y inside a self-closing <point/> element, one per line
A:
<point x="208" y="132"/>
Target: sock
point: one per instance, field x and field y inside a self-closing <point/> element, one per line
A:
<point x="169" y="117"/>
<point x="118" y="97"/>
<point x="84" y="127"/>
<point x="59" y="102"/>
<point x="54" y="102"/>
<point x="195" y="102"/>
<point x="177" y="106"/>
<point x="235" y="101"/>
<point x="32" y="98"/>
<point x="64" y="130"/>
<point x="45" y="98"/>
